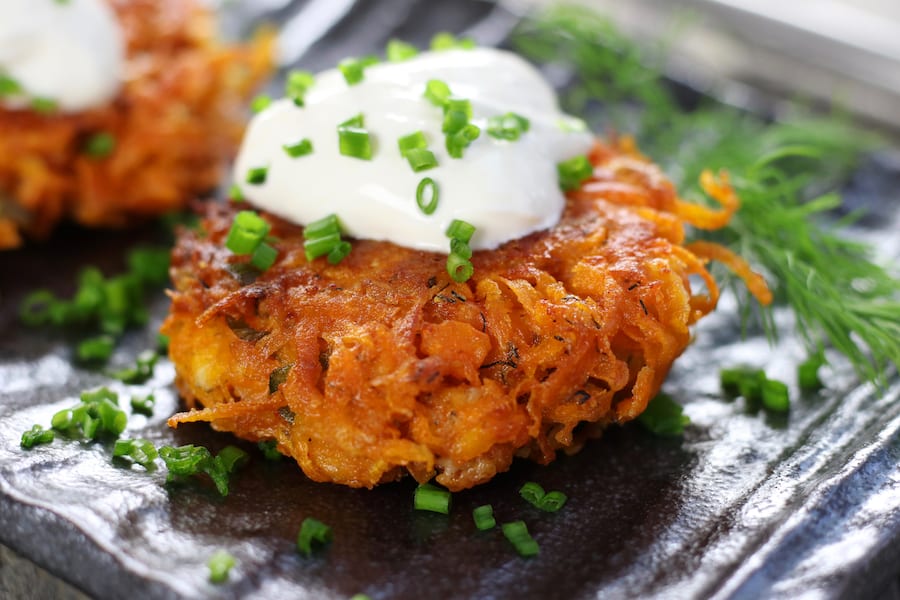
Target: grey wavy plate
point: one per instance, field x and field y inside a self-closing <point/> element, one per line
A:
<point x="743" y="506"/>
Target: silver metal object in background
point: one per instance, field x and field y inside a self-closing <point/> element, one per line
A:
<point x="841" y="51"/>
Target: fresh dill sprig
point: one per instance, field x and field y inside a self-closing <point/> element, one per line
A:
<point x="784" y="172"/>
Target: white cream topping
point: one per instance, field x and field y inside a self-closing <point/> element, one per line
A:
<point x="506" y="189"/>
<point x="69" y="52"/>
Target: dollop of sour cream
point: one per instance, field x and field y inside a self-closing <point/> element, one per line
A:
<point x="506" y="189"/>
<point x="69" y="52"/>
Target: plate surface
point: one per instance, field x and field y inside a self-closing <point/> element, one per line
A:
<point x="745" y="505"/>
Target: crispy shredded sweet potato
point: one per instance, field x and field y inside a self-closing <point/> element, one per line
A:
<point x="382" y="363"/>
<point x="178" y="117"/>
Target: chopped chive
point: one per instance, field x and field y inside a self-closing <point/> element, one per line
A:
<point x="447" y="41"/>
<point x="9" y="86"/>
<point x="517" y="534"/>
<point x="36" y="435"/>
<point x="432" y="498"/>
<point x="339" y="252"/>
<point x="257" y="175"/>
<point x="427" y="196"/>
<point x="247" y="232"/>
<point x="100" y="145"/>
<point x="322" y="227"/>
<point x="312" y="531"/>
<point x="220" y="565"/>
<point x="460" y="230"/>
<point x="461" y="105"/>
<point x="421" y="160"/>
<point x="437" y="92"/>
<point x="808" y="373"/>
<point x="532" y="492"/>
<point x="139" y="451"/>
<point x="297" y="83"/>
<point x="43" y="105"/>
<point x="460" y="248"/>
<point x="552" y="501"/>
<point x="571" y="125"/>
<point x="320" y="246"/>
<point x="36" y="308"/>
<point x="459" y="269"/>
<point x="507" y="127"/>
<point x="235" y="194"/>
<point x="775" y="396"/>
<point x="184" y="461"/>
<point x="98" y="414"/>
<point x="96" y="349"/>
<point x="398" y="51"/>
<point x="269" y="448"/>
<point x="412" y="141"/>
<point x="459" y="141"/>
<point x="143" y="404"/>
<point x="264" y="256"/>
<point x="162" y="343"/>
<point x="664" y="416"/>
<point x="260" y="103"/>
<point x="354" y="142"/>
<point x="298" y="149"/>
<point x="353" y="69"/>
<point x="573" y="172"/>
<point x="484" y="517"/>
<point x="142" y="369"/>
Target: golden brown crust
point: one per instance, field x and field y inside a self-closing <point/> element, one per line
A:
<point x="178" y="117"/>
<point x="387" y="364"/>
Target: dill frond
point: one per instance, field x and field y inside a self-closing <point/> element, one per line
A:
<point x="784" y="172"/>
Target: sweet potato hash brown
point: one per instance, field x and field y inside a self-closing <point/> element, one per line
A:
<point x="382" y="363"/>
<point x="179" y="115"/>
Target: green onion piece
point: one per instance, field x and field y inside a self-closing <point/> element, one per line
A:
<point x="354" y="142"/>
<point x="112" y="419"/>
<point x="552" y="501"/>
<point x="98" y="348"/>
<point x="142" y="369"/>
<point x="297" y="84"/>
<point x="36" y="307"/>
<point x="231" y="457"/>
<point x="312" y="531"/>
<point x="43" y="105"/>
<point x="143" y="404"/>
<point x="460" y="230"/>
<point x="808" y="373"/>
<point x="447" y="41"/>
<point x="339" y="252"/>
<point x="322" y="227"/>
<point x="413" y="141"/>
<point x="353" y="70"/>
<point x="421" y="160"/>
<point x="316" y="247"/>
<point x="437" y="92"/>
<point x="432" y="498"/>
<point x="150" y="265"/>
<point x="264" y="256"/>
<point x="162" y="343"/>
<point x="459" y="141"/>
<point x="298" y="149"/>
<point x="184" y="461"/>
<point x="235" y="194"/>
<point x="427" y="195"/>
<point x="484" y="517"/>
<point x="775" y="396"/>
<point x="257" y="175"/>
<point x="507" y="127"/>
<point x="459" y="105"/>
<point x="223" y="465"/>
<point x="517" y="534"/>
<point x="36" y="435"/>
<point x="398" y="51"/>
<point x="9" y="86"/>
<point x="139" y="451"/>
<point x="62" y="420"/>
<point x="358" y="121"/>
<point x="269" y="448"/>
<point x="247" y="232"/>
<point x="571" y="125"/>
<point x="532" y="492"/>
<point x="360" y="597"/>
<point x="664" y="416"/>
<point x="459" y="269"/>
<point x="100" y="395"/>
<point x="100" y="145"/>
<point x="220" y="565"/>
<point x="460" y="248"/>
<point x="573" y="172"/>
<point x="260" y="103"/>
